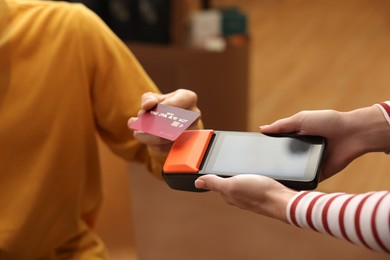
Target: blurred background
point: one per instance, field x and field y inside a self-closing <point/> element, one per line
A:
<point x="251" y="62"/>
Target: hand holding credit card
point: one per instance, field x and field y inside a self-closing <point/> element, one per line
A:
<point x="165" y="121"/>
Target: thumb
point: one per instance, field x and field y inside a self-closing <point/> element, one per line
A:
<point x="210" y="182"/>
<point x="286" y="125"/>
<point x="149" y="100"/>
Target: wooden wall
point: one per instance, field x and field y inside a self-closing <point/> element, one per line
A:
<point x="303" y="55"/>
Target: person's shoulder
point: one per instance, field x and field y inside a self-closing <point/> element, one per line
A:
<point x="40" y="4"/>
<point x="49" y="7"/>
<point x="56" y="15"/>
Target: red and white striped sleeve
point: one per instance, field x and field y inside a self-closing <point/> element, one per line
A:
<point x="385" y="108"/>
<point x="362" y="219"/>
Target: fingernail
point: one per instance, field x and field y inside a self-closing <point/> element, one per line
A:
<point x="130" y="122"/>
<point x="152" y="97"/>
<point x="200" y="184"/>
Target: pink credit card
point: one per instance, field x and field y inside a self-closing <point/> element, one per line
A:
<point x="165" y="121"/>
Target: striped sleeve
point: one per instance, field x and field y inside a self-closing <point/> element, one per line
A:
<point x="362" y="219"/>
<point x="385" y="108"/>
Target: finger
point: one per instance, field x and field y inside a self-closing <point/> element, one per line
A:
<point x="280" y="126"/>
<point x="182" y="98"/>
<point x="286" y="125"/>
<point x="131" y="121"/>
<point x="150" y="100"/>
<point x="210" y="182"/>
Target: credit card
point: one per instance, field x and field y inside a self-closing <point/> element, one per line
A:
<point x="165" y="121"/>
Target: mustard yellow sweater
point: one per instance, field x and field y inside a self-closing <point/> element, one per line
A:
<point x="64" y="76"/>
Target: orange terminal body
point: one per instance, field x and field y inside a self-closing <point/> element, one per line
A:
<point x="187" y="152"/>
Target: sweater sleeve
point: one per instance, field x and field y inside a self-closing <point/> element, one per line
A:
<point x="362" y="219"/>
<point x="116" y="83"/>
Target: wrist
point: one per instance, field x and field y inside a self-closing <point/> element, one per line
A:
<point x="282" y="200"/>
<point x="385" y="109"/>
<point x="372" y="131"/>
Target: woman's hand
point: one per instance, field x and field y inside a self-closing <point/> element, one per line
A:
<point x="349" y="134"/>
<point x="255" y="193"/>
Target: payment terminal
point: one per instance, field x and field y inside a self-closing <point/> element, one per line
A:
<point x="294" y="160"/>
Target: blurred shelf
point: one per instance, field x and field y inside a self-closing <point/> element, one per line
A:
<point x="219" y="78"/>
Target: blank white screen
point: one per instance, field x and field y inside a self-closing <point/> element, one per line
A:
<point x="274" y="157"/>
